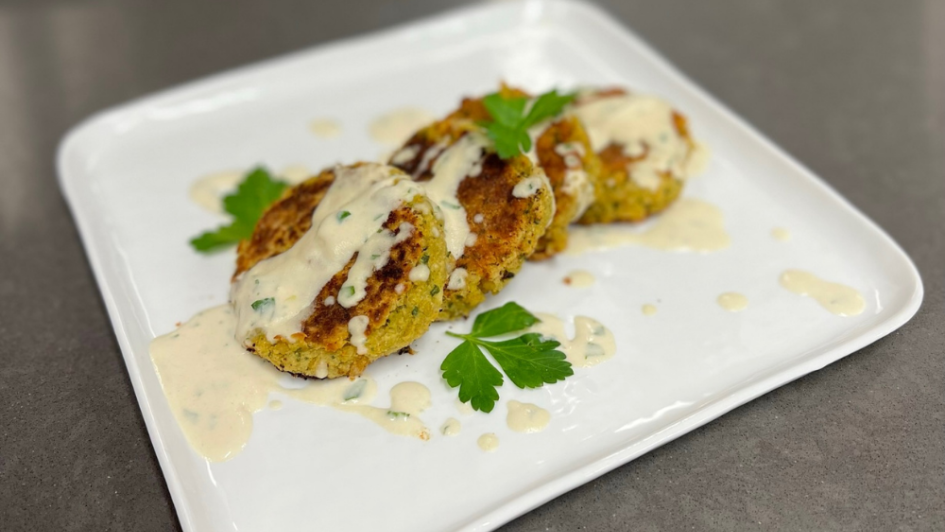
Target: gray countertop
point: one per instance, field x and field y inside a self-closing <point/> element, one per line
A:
<point x="855" y="90"/>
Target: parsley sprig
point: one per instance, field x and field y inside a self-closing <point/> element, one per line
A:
<point x="253" y="196"/>
<point x="510" y="123"/>
<point x="529" y="361"/>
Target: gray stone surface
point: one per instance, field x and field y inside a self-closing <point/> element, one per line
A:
<point x="855" y="90"/>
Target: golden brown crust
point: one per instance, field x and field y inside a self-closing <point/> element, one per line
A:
<point x="283" y="223"/>
<point x="567" y="205"/>
<point x="508" y="229"/>
<point x="329" y="323"/>
<point x="445" y="132"/>
<point x="398" y="310"/>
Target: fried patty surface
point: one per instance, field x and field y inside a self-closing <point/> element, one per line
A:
<point x="507" y="228"/>
<point x="618" y="198"/>
<point x="564" y="152"/>
<point x="398" y="309"/>
<point x="574" y="185"/>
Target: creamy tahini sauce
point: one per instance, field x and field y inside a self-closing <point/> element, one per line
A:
<point x="643" y="125"/>
<point x="648" y="309"/>
<point x="275" y="295"/>
<point x="451" y="427"/>
<point x="839" y="299"/>
<point x="325" y="128"/>
<point x="357" y="328"/>
<point x="396" y="126"/>
<point x="208" y="191"/>
<point x="429" y="155"/>
<point x="419" y="273"/>
<point x="407" y="401"/>
<point x="780" y="233"/>
<point x="372" y="256"/>
<point x="687" y="225"/>
<point x="457" y="279"/>
<point x="527" y="417"/>
<point x="579" y="186"/>
<point x="592" y="343"/>
<point x="580" y="279"/>
<point x="527" y="187"/>
<point x="732" y="301"/>
<point x="449" y="170"/>
<point x="404" y="155"/>
<point x="488" y="442"/>
<point x="213" y="386"/>
<point x="471" y="239"/>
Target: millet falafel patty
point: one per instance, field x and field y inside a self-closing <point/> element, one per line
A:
<point x="644" y="147"/>
<point x="494" y="210"/>
<point x="345" y="268"/>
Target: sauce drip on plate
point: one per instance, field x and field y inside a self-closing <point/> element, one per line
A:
<point x="688" y="225"/>
<point x="838" y="299"/>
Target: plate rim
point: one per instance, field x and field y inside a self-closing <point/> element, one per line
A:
<point x="776" y="376"/>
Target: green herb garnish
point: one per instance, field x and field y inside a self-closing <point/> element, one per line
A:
<point x="343" y="214"/>
<point x="355" y="390"/>
<point x="262" y="304"/>
<point x="510" y="123"/>
<point x="253" y="196"/>
<point x="529" y="361"/>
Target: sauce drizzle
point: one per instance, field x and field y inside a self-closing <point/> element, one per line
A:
<point x="527" y="417"/>
<point x="644" y="126"/>
<point x="396" y="126"/>
<point x="214" y="387"/>
<point x="451" y="427"/>
<point x="275" y="295"/>
<point x="325" y="128"/>
<point x="488" y="442"/>
<point x="688" y="225"/>
<point x="592" y="343"/>
<point x="732" y="301"/>
<point x="780" y="233"/>
<point x="838" y="299"/>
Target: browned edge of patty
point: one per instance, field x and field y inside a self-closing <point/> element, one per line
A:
<point x="614" y="163"/>
<point x="284" y="222"/>
<point x="568" y="129"/>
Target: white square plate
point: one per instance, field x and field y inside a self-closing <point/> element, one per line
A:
<point x="126" y="174"/>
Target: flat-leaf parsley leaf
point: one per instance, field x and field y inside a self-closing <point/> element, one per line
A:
<point x="528" y="360"/>
<point x="253" y="196"/>
<point x="510" y="122"/>
<point x="476" y="377"/>
<point x="511" y="318"/>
